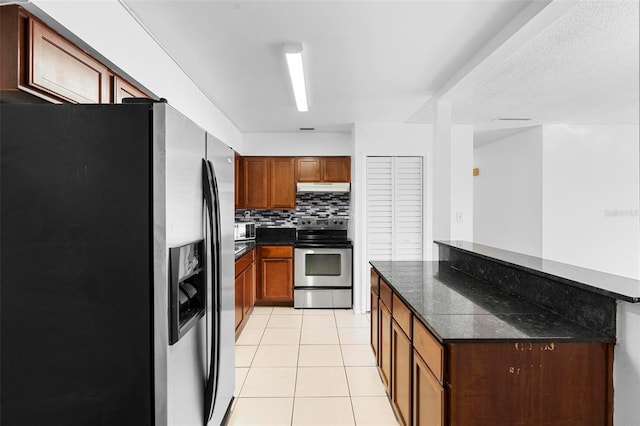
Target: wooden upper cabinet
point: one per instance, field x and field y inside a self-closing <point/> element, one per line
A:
<point x="239" y="179"/>
<point x="62" y="69"/>
<point x="308" y="169"/>
<point x="256" y="173"/>
<point x="37" y="62"/>
<point x="336" y="169"/>
<point x="282" y="188"/>
<point x="323" y="169"/>
<point x="269" y="183"/>
<point x="123" y="89"/>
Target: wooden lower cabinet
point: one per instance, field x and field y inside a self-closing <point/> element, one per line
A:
<point x="275" y="275"/>
<point x="375" y="329"/>
<point x="245" y="289"/>
<point x="401" y="354"/>
<point x="431" y="383"/>
<point x="384" y="342"/>
<point x="545" y="383"/>
<point x="428" y="395"/>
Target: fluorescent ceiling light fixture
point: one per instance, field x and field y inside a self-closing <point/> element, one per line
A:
<point x="293" y="53"/>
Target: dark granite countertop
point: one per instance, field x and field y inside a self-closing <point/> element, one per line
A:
<point x="243" y="247"/>
<point x="614" y="286"/>
<point x="456" y="307"/>
<point x="272" y="236"/>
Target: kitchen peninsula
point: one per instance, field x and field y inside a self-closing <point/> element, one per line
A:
<point x="487" y="336"/>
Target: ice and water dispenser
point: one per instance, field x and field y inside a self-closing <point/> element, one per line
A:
<point x="187" y="287"/>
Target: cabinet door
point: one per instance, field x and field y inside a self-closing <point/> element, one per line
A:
<point x="308" y="169"/>
<point x="239" y="182"/>
<point x="277" y="280"/>
<point x="428" y="396"/>
<point x="239" y="298"/>
<point x="256" y="173"/>
<point x="123" y="89"/>
<point x="249" y="289"/>
<point x="336" y="169"/>
<point x="401" y="352"/>
<point x="375" y="329"/>
<point x="282" y="184"/>
<point x="384" y="355"/>
<point x="62" y="69"/>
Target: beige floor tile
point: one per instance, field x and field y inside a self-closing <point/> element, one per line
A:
<point x="343" y="312"/>
<point x="352" y="321"/>
<point x="281" y="336"/>
<point x="318" y="321"/>
<point x="286" y="310"/>
<point x="269" y="382"/>
<point x="250" y="336"/>
<point x="285" y="321"/>
<point x="320" y="356"/>
<point x="364" y="381"/>
<point x="318" y="311"/>
<point x="262" y="310"/>
<point x="321" y="381"/>
<point x="257" y="321"/>
<point x="373" y="411"/>
<point x="358" y="355"/>
<point x="322" y="411"/>
<point x="244" y="355"/>
<point x="353" y="336"/>
<point x="276" y="356"/>
<point x="319" y="336"/>
<point x="261" y="412"/>
<point x="241" y="374"/>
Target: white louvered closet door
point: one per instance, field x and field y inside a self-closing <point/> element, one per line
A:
<point x="394" y="208"/>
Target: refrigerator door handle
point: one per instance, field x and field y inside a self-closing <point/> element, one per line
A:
<point x="210" y="189"/>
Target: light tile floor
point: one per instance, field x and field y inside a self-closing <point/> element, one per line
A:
<point x="307" y="367"/>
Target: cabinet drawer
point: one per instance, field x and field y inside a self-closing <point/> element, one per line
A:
<point x="402" y="315"/>
<point x="277" y="251"/>
<point x="385" y="293"/>
<point x="375" y="282"/>
<point x="244" y="262"/>
<point x="429" y="349"/>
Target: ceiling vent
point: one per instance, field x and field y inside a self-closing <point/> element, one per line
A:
<point x="307" y="129"/>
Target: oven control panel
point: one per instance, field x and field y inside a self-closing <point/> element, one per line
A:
<point x="323" y="223"/>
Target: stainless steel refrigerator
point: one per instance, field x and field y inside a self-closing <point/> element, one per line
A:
<point x="116" y="267"/>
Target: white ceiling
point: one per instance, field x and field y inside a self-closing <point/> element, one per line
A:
<point x="381" y="61"/>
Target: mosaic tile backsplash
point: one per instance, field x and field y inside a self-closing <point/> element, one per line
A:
<point x="307" y="204"/>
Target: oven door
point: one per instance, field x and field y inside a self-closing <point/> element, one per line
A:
<point x="323" y="267"/>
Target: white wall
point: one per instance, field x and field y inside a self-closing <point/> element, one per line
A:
<point x="591" y="197"/>
<point x="461" y="183"/>
<point x="107" y="27"/>
<point x="507" y="194"/>
<point x="297" y="144"/>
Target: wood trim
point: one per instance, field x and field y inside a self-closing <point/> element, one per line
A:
<point x="402" y="315"/>
<point x="375" y="281"/>
<point x="429" y="349"/>
<point x="386" y="295"/>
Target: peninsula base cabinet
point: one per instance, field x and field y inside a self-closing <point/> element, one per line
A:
<point x="479" y="382"/>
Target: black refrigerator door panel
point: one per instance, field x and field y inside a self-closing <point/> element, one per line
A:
<point x="75" y="265"/>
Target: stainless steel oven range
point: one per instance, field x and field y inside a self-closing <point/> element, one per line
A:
<point x="323" y="259"/>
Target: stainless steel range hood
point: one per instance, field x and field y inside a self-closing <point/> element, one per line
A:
<point x="323" y="187"/>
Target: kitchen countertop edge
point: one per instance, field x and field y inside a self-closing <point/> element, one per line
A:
<point x="588" y="337"/>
